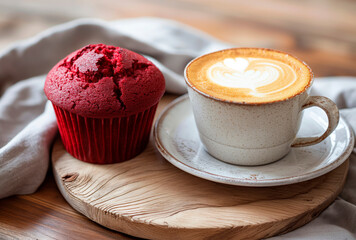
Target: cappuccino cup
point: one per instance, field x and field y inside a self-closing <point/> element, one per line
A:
<point x="248" y="104"/>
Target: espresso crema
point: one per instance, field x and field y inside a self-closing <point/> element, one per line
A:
<point x="249" y="75"/>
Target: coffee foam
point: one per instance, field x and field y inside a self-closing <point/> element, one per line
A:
<point x="249" y="75"/>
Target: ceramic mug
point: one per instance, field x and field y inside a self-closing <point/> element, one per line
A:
<point x="255" y="134"/>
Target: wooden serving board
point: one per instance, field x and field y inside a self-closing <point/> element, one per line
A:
<point x="150" y="198"/>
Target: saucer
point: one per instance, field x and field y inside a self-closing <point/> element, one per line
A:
<point x="177" y="139"/>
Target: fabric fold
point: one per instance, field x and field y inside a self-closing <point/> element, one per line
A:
<point x="28" y="124"/>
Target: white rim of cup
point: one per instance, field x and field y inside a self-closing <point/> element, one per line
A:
<point x="307" y="87"/>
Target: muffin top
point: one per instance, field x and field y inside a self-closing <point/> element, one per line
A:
<point x="104" y="81"/>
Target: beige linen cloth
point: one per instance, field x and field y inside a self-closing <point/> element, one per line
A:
<point x="28" y="124"/>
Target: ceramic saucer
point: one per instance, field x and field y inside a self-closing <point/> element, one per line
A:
<point x="178" y="141"/>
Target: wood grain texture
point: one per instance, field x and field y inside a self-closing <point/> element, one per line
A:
<point x="322" y="33"/>
<point x="46" y="215"/>
<point x="148" y="197"/>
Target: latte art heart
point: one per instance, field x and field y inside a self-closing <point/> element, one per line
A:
<point x="260" y="75"/>
<point x="248" y="75"/>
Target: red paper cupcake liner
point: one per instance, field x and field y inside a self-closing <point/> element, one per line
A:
<point x="105" y="140"/>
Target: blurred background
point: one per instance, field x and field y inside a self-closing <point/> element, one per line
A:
<point x="321" y="32"/>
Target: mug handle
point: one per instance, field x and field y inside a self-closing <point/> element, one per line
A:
<point x="331" y="111"/>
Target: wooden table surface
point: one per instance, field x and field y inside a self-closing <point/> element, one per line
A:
<point x="322" y="33"/>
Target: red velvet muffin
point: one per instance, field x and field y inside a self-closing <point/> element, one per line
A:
<point x="105" y="98"/>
